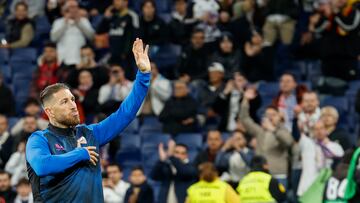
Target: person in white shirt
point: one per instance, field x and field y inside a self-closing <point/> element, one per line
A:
<point x="70" y="33"/>
<point x="118" y="87"/>
<point x="24" y="194"/>
<point x="115" y="188"/>
<point x="316" y="153"/>
<point x="310" y="113"/>
<point x="36" y="7"/>
<point x="202" y="8"/>
<point x="16" y="165"/>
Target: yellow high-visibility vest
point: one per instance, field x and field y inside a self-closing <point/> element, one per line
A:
<point x="254" y="188"/>
<point x="204" y="192"/>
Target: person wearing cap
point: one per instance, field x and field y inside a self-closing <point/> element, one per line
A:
<point x="227" y="55"/>
<point x="259" y="185"/>
<point x="208" y="91"/>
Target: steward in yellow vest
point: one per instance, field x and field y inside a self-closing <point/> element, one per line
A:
<point x="210" y="189"/>
<point x="258" y="186"/>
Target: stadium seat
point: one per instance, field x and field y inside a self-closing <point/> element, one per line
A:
<point x="153" y="140"/>
<point x="354" y="85"/>
<point x="268" y="88"/>
<point x="23" y="54"/>
<point x="23" y="68"/>
<point x="193" y="141"/>
<point x="147" y="128"/>
<point x="4" y="56"/>
<point x="166" y="56"/>
<point x="12" y="121"/>
<point x="133" y="127"/>
<point x="6" y="71"/>
<point x="128" y="158"/>
<point x="130" y="142"/>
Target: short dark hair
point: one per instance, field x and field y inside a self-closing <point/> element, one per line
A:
<point x="50" y="44"/>
<point x="87" y="46"/>
<point x="21" y="3"/>
<point x="31" y="101"/>
<point x="290" y="74"/>
<point x="48" y="92"/>
<point x="197" y="30"/>
<point x="152" y="2"/>
<point x="115" y="165"/>
<point x="23" y="181"/>
<point x="182" y="145"/>
<point x="257" y="163"/>
<point x="137" y="168"/>
<point x="273" y="107"/>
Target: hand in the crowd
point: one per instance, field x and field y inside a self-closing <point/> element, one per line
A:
<point x="188" y="121"/>
<point x="94" y="12"/>
<point x="297" y="110"/>
<point x="77" y="93"/>
<point x="185" y="78"/>
<point x="267" y="125"/>
<point x="171" y="148"/>
<point x="306" y="38"/>
<point x="314" y="19"/>
<point x="108" y="183"/>
<point x="162" y="153"/>
<point x="250" y="93"/>
<point x="93" y="155"/>
<point x="228" y="144"/>
<point x="141" y="55"/>
<point x="229" y="87"/>
<point x="108" y="12"/>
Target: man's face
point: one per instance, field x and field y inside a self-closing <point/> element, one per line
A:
<point x="21" y="12"/>
<point x="87" y="56"/>
<point x="85" y="78"/>
<point x="226" y="46"/>
<point x="72" y="8"/>
<point x="239" y="81"/>
<point x="310" y="102"/>
<point x="23" y="190"/>
<point x="180" y="6"/>
<point x="3" y="124"/>
<point x="137" y="177"/>
<point x="216" y="76"/>
<point x="287" y="84"/>
<point x="50" y="54"/>
<point x="273" y="116"/>
<point x="180" y="90"/>
<point x="120" y="4"/>
<point x="4" y="182"/>
<point x="62" y="108"/>
<point x="148" y="10"/>
<point x="117" y="72"/>
<point x="198" y="40"/>
<point x="114" y="174"/>
<point x="29" y="124"/>
<point x="32" y="109"/>
<point x="180" y="153"/>
<point x="214" y="140"/>
<point x="319" y="131"/>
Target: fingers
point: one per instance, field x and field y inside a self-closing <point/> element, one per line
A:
<point x="146" y="49"/>
<point x="93" y="155"/>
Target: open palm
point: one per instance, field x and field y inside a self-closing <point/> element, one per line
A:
<point x="141" y="55"/>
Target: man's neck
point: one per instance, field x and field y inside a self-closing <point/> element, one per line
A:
<point x="57" y="124"/>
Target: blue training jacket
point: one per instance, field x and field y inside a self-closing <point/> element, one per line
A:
<point x="61" y="172"/>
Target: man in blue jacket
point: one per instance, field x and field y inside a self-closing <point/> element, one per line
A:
<point x="62" y="160"/>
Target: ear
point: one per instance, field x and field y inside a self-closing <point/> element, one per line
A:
<point x="49" y="112"/>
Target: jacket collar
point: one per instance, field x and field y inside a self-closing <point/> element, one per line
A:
<point x="61" y="131"/>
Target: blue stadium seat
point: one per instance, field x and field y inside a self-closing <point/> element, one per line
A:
<point x="130" y="142"/>
<point x="354" y="85"/>
<point x="23" y="68"/>
<point x="6" y="71"/>
<point x="42" y="25"/>
<point x="133" y="127"/>
<point x="340" y="103"/>
<point x="128" y="158"/>
<point x="153" y="140"/>
<point x="147" y="128"/>
<point x="268" y="89"/>
<point x="12" y="121"/>
<point x="225" y="136"/>
<point x="23" y="54"/>
<point x="4" y="56"/>
<point x="193" y="141"/>
<point x="166" y="56"/>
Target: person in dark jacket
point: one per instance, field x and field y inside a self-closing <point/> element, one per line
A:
<point x="7" y="143"/>
<point x="7" y="194"/>
<point x="20" y="30"/>
<point x="121" y="23"/>
<point x="140" y="191"/>
<point x="178" y="115"/>
<point x="153" y="29"/>
<point x="7" y="102"/>
<point x="214" y="142"/>
<point x="194" y="59"/>
<point x="174" y="172"/>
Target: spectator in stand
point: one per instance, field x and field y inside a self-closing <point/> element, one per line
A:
<point x="20" y="29"/>
<point x="140" y="191"/>
<point x="159" y="92"/>
<point x="224" y="23"/>
<point x="32" y="108"/>
<point x="7" y="194"/>
<point x="47" y="71"/>
<point x="280" y="21"/>
<point x="227" y="55"/>
<point x="181" y="24"/>
<point x="115" y="91"/>
<point x="53" y="10"/>
<point x="214" y="142"/>
<point x="201" y="8"/>
<point x="273" y="139"/>
<point x="310" y="113"/>
<point x="289" y="98"/>
<point x="115" y="187"/>
<point x="211" y="29"/>
<point x="35" y="7"/>
<point x="24" y="194"/>
<point x="153" y="29"/>
<point x="330" y="117"/>
<point x="29" y="126"/>
<point x="87" y="94"/>
<point x="87" y="62"/>
<point x="317" y="152"/>
<point x="179" y="112"/>
<point x="215" y="189"/>
<point x="259" y="185"/>
<point x="227" y="103"/>
<point x="16" y="165"/>
<point x="194" y="58"/>
<point x="7" y="102"/>
<point x="233" y="160"/>
<point x="121" y="23"/>
<point x="70" y="33"/>
<point x="6" y="142"/>
<point x="174" y="171"/>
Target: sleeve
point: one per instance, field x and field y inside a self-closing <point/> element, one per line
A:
<point x="13" y="162"/>
<point x="277" y="190"/>
<point x="222" y="161"/>
<point x="184" y="171"/>
<point x="162" y="89"/>
<point x="284" y="137"/>
<point x="104" y="94"/>
<point x="349" y="21"/>
<point x="44" y="163"/>
<point x="104" y="26"/>
<point x="231" y="195"/>
<point x="251" y="127"/>
<point x="161" y="171"/>
<point x="85" y="27"/>
<point x="221" y="103"/>
<point x="27" y="34"/>
<point x="58" y="29"/>
<point x="107" y="129"/>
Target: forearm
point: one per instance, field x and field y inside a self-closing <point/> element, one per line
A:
<point x="85" y="28"/>
<point x="284" y="137"/>
<point x="58" y="30"/>
<point x="251" y="127"/>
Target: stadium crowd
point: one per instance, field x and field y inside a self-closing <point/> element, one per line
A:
<point x="242" y="91"/>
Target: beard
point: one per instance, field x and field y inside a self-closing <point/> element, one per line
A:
<point x="69" y="120"/>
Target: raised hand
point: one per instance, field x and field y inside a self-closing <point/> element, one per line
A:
<point x="141" y="55"/>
